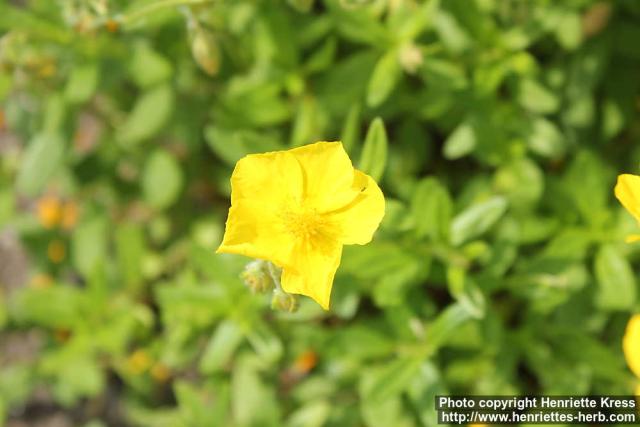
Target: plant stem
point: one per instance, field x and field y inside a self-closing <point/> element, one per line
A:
<point x="274" y="275"/>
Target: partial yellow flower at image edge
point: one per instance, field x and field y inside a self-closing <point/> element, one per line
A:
<point x="297" y="208"/>
<point x="631" y="347"/>
<point x="627" y="191"/>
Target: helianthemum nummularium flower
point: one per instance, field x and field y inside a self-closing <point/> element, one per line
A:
<point x="297" y="208"/>
<point x="628" y="193"/>
<point x="631" y="347"/>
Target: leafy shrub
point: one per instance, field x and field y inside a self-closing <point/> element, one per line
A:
<point x="496" y="129"/>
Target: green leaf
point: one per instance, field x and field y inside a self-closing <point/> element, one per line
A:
<point x="148" y="67"/>
<point x="477" y="219"/>
<point x="351" y="128"/>
<point x="390" y="379"/>
<point x="545" y="139"/>
<point x="312" y="414"/>
<point x="82" y="83"/>
<point x="384" y="78"/>
<point x="222" y="344"/>
<point x="162" y="180"/>
<point x="522" y="182"/>
<point x="362" y="341"/>
<point x="89" y="245"/>
<point x="431" y="207"/>
<point x="43" y="157"/>
<point x="447" y="322"/>
<point x="346" y="82"/>
<point x="466" y="292"/>
<point x="253" y="403"/>
<point x="130" y="250"/>
<point x="149" y="115"/>
<point x="19" y="18"/>
<point x="616" y="281"/>
<point x="392" y="288"/>
<point x="569" y="30"/>
<point x="231" y="145"/>
<point x="54" y="307"/>
<point x="536" y="98"/>
<point x="323" y="57"/>
<point x="580" y="111"/>
<point x="194" y="406"/>
<point x="306" y="124"/>
<point x="374" y="153"/>
<point x="375" y="259"/>
<point x="452" y="34"/>
<point x="461" y="142"/>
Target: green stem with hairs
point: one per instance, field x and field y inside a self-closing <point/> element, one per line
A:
<point x="274" y="276"/>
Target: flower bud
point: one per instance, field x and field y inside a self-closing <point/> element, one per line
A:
<point x="284" y="301"/>
<point x="256" y="276"/>
<point x="49" y="211"/>
<point x="411" y="58"/>
<point x="205" y="51"/>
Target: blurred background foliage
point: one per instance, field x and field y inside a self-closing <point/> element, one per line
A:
<point x="496" y="129"/>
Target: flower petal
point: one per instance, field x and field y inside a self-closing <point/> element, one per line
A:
<point x="632" y="238"/>
<point x="328" y="174"/>
<point x="270" y="178"/>
<point x="359" y="219"/>
<point x="631" y="344"/>
<point x="251" y="230"/>
<point x="628" y="193"/>
<point x="312" y="273"/>
<point x="261" y="185"/>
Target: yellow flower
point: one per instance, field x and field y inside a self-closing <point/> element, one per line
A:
<point x="627" y="192"/>
<point x="631" y="344"/>
<point x="296" y="208"/>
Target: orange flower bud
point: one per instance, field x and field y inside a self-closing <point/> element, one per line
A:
<point x="112" y="25"/>
<point x="49" y="211"/>
<point x="306" y="362"/>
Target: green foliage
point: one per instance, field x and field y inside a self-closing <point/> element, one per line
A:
<point x="495" y="129"/>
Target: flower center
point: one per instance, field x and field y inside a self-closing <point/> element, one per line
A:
<point x="309" y="227"/>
